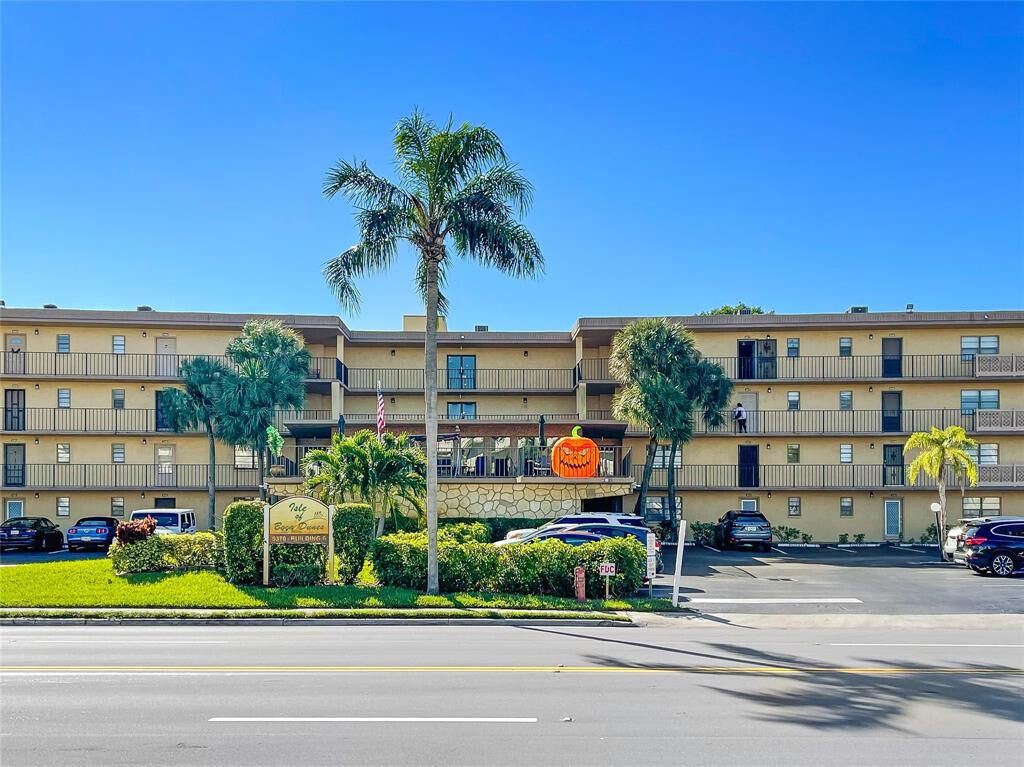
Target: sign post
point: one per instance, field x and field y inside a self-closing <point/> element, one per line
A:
<point x="607" y="569"/>
<point x="679" y="562"/>
<point x="579" y="578"/>
<point x="652" y="562"/>
<point x="298" y="520"/>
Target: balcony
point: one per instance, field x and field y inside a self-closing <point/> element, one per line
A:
<point x="403" y="418"/>
<point x="125" y="476"/>
<point x="463" y="379"/>
<point x="817" y="477"/>
<point x="868" y="422"/>
<point x="85" y="365"/>
<point x="862" y="368"/>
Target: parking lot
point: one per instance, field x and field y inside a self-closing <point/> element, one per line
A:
<point x="15" y="557"/>
<point x="884" y="580"/>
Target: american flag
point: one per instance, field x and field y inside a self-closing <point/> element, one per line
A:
<point x="380" y="411"/>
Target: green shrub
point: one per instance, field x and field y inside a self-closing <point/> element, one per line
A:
<point x="702" y="532"/>
<point x="858" y="538"/>
<point x="299" y="574"/>
<point x="468" y="566"/>
<point x="190" y="551"/>
<point x="296" y="564"/>
<point x="400" y="559"/>
<point x="931" y="534"/>
<point x="464" y="532"/>
<point x="497" y="527"/>
<point x="145" y="556"/>
<point x="806" y="537"/>
<point x="353" y="534"/>
<point x="218" y="550"/>
<point x="844" y="537"/>
<point x="243" y="542"/>
<point x="786" y="534"/>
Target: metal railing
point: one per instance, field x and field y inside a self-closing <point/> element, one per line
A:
<point x="109" y="365"/>
<point x="533" y="461"/>
<point x="864" y="367"/>
<point x="355" y="418"/>
<point x="97" y="420"/>
<point x="816" y="476"/>
<point x="463" y="379"/>
<point x="865" y="421"/>
<point x="125" y="476"/>
<point x="599" y="415"/>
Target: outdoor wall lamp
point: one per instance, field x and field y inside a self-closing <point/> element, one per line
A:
<point x="871" y="388"/>
<point x="768" y="446"/>
<point x="526" y="352"/>
<point x="872" y="445"/>
<point x="143" y="333"/>
<point x="871" y="336"/>
<point x="143" y="495"/>
<point x="524" y="401"/>
<point x="769" y="495"/>
<point x="37" y="387"/>
<point x="37" y="495"/>
<point x="392" y="400"/>
<point x="144" y="442"/>
<point x="392" y="352"/>
<point x="871" y="494"/>
<point x="36" y="331"/>
<point x="142" y="388"/>
<point x="769" y="390"/>
<point x="37" y="440"/>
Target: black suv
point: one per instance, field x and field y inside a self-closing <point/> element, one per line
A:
<point x="743" y="528"/>
<point x="995" y="546"/>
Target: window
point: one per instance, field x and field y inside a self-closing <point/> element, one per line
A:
<point x="846" y="400"/>
<point x="63" y="397"/>
<point x="461" y="371"/>
<point x="846" y="507"/>
<point x="245" y="457"/>
<point x="164" y="503"/>
<point x="846" y="453"/>
<point x="117" y="507"/>
<point x="63" y="343"/>
<point x="661" y="455"/>
<point x="979" y="399"/>
<point x="117" y="344"/>
<point x="845" y="347"/>
<point x="971" y="345"/>
<point x="656" y="508"/>
<point x="792" y="453"/>
<point x="460" y="410"/>
<point x="63" y="507"/>
<point x="748" y="504"/>
<point x="794" y="507"/>
<point x="117" y="399"/>
<point x="793" y="400"/>
<point x="117" y="452"/>
<point x="792" y="347"/>
<point x="985" y="454"/>
<point x="63" y="452"/>
<point x="981" y="507"/>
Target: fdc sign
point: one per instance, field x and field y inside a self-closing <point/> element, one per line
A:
<point x="297" y="520"/>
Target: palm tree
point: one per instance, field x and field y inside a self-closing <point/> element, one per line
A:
<point x="272" y="366"/>
<point x="382" y="472"/>
<point x="456" y="187"/>
<point x="196" y="404"/>
<point x="940" y="451"/>
<point x="665" y="383"/>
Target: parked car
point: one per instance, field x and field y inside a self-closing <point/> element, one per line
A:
<point x="572" y="537"/>
<point x="97" y="532"/>
<point x="169" y="520"/>
<point x="37" y="533"/>
<point x="529" y="534"/>
<point x="621" y="531"/>
<point x="743" y="528"/>
<point x="583" y="519"/>
<point x="953" y="546"/>
<point x="995" y="546"/>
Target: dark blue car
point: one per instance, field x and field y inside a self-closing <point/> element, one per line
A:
<point x="995" y="547"/>
<point x="36" y="533"/>
<point x="92" y="532"/>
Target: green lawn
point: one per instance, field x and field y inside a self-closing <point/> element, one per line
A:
<point x="92" y="583"/>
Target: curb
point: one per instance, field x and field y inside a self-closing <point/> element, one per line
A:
<point x="305" y="621"/>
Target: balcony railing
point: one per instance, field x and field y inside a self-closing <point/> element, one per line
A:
<point x="359" y="418"/>
<point x="124" y="476"/>
<point x="97" y="420"/>
<point x="866" y="367"/>
<point x="463" y="379"/>
<point x="108" y="365"/>
<point x="817" y="476"/>
<point x="866" y="421"/>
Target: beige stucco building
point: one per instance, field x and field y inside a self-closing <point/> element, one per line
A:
<point x="829" y="398"/>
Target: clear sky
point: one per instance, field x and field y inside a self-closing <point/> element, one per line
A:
<point x="801" y="157"/>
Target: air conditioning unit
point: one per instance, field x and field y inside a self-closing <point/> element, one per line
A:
<point x="49" y="306"/>
<point x="480" y="328"/>
<point x="143" y="308"/>
<point x="857" y="310"/>
<point x="744" y="310"/>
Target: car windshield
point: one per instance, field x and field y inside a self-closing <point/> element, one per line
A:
<point x="748" y="520"/>
<point x="92" y="522"/>
<point x="19" y="524"/>
<point x="162" y="520"/>
<point x="972" y="531"/>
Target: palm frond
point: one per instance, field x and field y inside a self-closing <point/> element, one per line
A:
<point x="364" y="188"/>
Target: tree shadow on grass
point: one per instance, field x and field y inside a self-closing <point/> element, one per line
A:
<point x="823" y="695"/>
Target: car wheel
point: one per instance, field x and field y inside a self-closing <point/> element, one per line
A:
<point x="1001" y="564"/>
<point x="72" y="547"/>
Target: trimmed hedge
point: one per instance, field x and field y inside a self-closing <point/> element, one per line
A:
<point x="243" y="542"/>
<point x="497" y="527"/>
<point x="353" y="534"/>
<point x="187" y="551"/>
<point x="545" y="567"/>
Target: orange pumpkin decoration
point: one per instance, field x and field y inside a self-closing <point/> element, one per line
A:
<point x="575" y="456"/>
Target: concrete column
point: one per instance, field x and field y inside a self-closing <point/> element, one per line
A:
<point x="337" y="400"/>
<point x="581" y="400"/>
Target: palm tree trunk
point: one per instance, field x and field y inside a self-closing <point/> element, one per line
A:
<point x="430" y="393"/>
<point x="672" y="480"/>
<point x="940" y="534"/>
<point x="260" y="467"/>
<point x="211" y="477"/>
<point x="645" y="482"/>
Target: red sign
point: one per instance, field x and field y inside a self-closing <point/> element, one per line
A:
<point x="579" y="577"/>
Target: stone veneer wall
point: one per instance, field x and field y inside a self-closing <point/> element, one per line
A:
<point x="520" y="499"/>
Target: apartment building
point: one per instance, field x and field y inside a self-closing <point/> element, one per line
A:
<point x="830" y="400"/>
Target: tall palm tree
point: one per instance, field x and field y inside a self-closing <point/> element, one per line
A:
<point x="197" y="404"/>
<point x="272" y="366"/>
<point x="455" y="188"/>
<point x="665" y="382"/>
<point x="381" y="472"/>
<point x="941" y="451"/>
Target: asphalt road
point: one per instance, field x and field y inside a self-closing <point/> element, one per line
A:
<point x="881" y="581"/>
<point x="712" y="695"/>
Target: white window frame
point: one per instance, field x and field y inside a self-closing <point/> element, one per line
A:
<point x="849" y="396"/>
<point x="117" y="344"/>
<point x="793" y="503"/>
<point x="846" y="510"/>
<point x="63" y="506"/>
<point x="63" y="340"/>
<point x="846" y="452"/>
<point x="63" y="452"/>
<point x="61" y="394"/>
<point x="115" y="501"/>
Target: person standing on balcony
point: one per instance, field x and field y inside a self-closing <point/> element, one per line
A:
<point x="739" y="415"/>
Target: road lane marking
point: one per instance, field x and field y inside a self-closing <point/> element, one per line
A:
<point x="398" y="719"/>
<point x="916" y="644"/>
<point x="778" y="601"/>
<point x="32" y="640"/>
<point x="256" y="670"/>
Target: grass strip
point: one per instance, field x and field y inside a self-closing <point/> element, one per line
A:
<point x="367" y="614"/>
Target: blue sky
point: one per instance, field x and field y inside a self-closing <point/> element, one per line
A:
<point x="801" y="157"/>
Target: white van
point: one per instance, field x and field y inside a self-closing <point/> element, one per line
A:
<point x="169" y="520"/>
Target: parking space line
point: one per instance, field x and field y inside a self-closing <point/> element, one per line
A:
<point x="777" y="601"/>
<point x="836" y="548"/>
<point x="709" y="546"/>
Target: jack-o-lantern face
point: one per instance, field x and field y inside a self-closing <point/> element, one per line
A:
<point x="575" y="456"/>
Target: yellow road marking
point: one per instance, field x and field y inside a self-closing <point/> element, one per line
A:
<point x="523" y="669"/>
